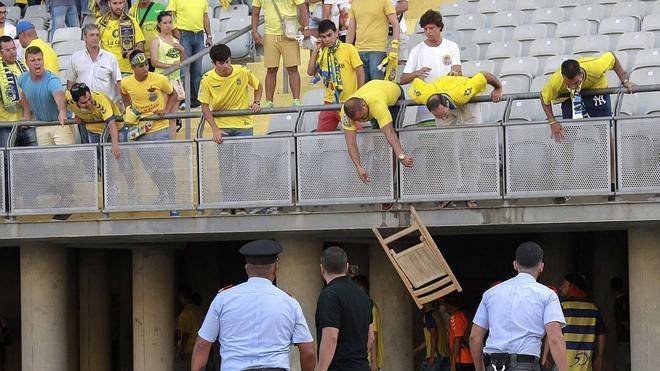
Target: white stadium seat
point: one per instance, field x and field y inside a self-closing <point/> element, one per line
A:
<point x="553" y="63"/>
<point x="522" y="69"/>
<point x="508" y="20"/>
<point x="590" y="44"/>
<point x="635" y="9"/>
<point x="485" y="36"/>
<point x="471" y="68"/>
<point x="548" y="16"/>
<point x="546" y="48"/>
<point x="592" y="13"/>
<point x="651" y="23"/>
<point x="615" y="26"/>
<point x="67" y="34"/>
<point x="526" y="34"/>
<point x="68" y="47"/>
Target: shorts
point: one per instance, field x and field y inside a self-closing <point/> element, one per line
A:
<point x="328" y="120"/>
<point x="55" y="135"/>
<point x="469" y="114"/>
<point x="276" y="46"/>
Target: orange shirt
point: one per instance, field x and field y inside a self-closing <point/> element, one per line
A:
<point x="457" y="327"/>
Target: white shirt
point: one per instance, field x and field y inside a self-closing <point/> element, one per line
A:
<point x="439" y="59"/>
<point x="515" y="312"/>
<point x="255" y="323"/>
<point x="338" y="6"/>
<point x="100" y="75"/>
<point x="403" y="28"/>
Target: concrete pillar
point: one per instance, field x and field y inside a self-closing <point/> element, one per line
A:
<point x="558" y="257"/>
<point x="153" y="309"/>
<point x="44" y="308"/>
<point x="644" y="271"/>
<point x="95" y="333"/>
<point x="298" y="274"/>
<point x="396" y="311"/>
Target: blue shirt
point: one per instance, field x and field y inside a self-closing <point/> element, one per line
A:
<point x="515" y="312"/>
<point x="40" y="94"/>
<point x="256" y="323"/>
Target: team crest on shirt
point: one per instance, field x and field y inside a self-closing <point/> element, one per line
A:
<point x="468" y="91"/>
<point x="416" y="92"/>
<point x="446" y="60"/>
<point x="153" y="96"/>
<point x="238" y="82"/>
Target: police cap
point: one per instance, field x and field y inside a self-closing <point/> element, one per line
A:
<point x="261" y="252"/>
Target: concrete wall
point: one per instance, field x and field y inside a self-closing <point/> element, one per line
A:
<point x="10" y="303"/>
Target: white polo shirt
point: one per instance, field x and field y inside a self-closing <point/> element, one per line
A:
<point x="100" y="75"/>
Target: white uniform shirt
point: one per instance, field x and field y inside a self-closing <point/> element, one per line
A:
<point x="255" y="323"/>
<point x="515" y="312"/>
<point x="100" y="75"/>
<point x="439" y="59"/>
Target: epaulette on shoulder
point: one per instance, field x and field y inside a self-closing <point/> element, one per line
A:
<point x="225" y="288"/>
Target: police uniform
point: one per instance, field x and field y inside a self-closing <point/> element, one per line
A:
<point x="255" y="322"/>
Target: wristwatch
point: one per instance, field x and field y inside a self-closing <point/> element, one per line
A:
<point x="401" y="157"/>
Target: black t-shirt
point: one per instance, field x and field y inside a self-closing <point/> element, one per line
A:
<point x="344" y="306"/>
<point x="622" y="319"/>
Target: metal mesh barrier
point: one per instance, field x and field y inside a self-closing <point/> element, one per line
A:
<point x="2" y="183"/>
<point x="326" y="174"/>
<point x="148" y="176"/>
<point x="246" y="172"/>
<point x="538" y="166"/>
<point x="53" y="180"/>
<point x="638" y="148"/>
<point x="451" y="164"/>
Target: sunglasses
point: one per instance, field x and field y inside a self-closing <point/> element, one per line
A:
<point x="78" y="87"/>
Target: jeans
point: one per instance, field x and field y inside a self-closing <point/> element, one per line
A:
<point x="235" y="132"/>
<point x="193" y="43"/>
<point x="25" y="137"/>
<point x="96" y="138"/>
<point x="371" y="61"/>
<point x="64" y="16"/>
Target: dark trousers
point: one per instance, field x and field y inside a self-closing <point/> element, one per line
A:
<point x="465" y="367"/>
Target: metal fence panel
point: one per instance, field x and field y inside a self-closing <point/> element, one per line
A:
<point x="326" y="174"/>
<point x="246" y="172"/>
<point x="3" y="209"/>
<point x="638" y="148"/>
<point x="451" y="164"/>
<point x="537" y="166"/>
<point x="148" y="176"/>
<point x="53" y="180"/>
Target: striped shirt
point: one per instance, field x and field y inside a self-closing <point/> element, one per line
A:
<point x="583" y="324"/>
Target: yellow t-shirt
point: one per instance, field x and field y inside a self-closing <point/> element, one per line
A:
<point x="371" y="24"/>
<point x="349" y="60"/>
<point x="189" y="16"/>
<point x="460" y="89"/>
<point x="189" y="321"/>
<point x="18" y="114"/>
<point x="272" y="23"/>
<point x="375" y="313"/>
<point x="148" y="96"/>
<point x="150" y="24"/>
<point x="50" y="58"/>
<point x="595" y="69"/>
<point x="103" y="109"/>
<point x="111" y="42"/>
<point x="229" y="93"/>
<point x="379" y="95"/>
<point x="21" y="2"/>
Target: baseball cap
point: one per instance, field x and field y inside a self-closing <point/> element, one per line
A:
<point x="23" y="26"/>
<point x="138" y="58"/>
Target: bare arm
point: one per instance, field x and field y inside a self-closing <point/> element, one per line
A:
<point x="477" y="336"/>
<point x="327" y="10"/>
<point x="154" y="55"/>
<point x="200" y="354"/>
<point x="61" y="106"/>
<point x="327" y="347"/>
<point x="598" y="360"/>
<point x="69" y="84"/>
<point x="457" y="70"/>
<point x="360" y="76"/>
<point x="258" y="92"/>
<point x="140" y="46"/>
<point x="207" y="30"/>
<point x="171" y="106"/>
<point x="557" y="345"/>
<point x="307" y="356"/>
<point x="392" y="139"/>
<point x="453" y="358"/>
<point x="394" y="21"/>
<point x="350" y="33"/>
<point x="434" y="344"/>
<point x="126" y="98"/>
<point x="26" y="107"/>
<point x="374" y="350"/>
<point x="311" y="65"/>
<point x="351" y="143"/>
<point x="114" y="138"/>
<point x="401" y="7"/>
<point x="303" y="16"/>
<point x="255" y="25"/>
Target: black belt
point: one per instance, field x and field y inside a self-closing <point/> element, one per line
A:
<point x="498" y="360"/>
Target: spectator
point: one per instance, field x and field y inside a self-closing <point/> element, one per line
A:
<point x="337" y="11"/>
<point x="64" y="13"/>
<point x="28" y="37"/>
<point x="622" y="321"/>
<point x="340" y="68"/>
<point x="376" y="353"/>
<point x="573" y="77"/>
<point x="187" y="324"/>
<point x="436" y="342"/>
<point x="8" y="28"/>
<point x="460" y="358"/>
<point x="431" y="59"/>
<point x="279" y="43"/>
<point x="192" y="21"/>
<point x="343" y="317"/>
<point x="145" y="12"/>
<point x="166" y="52"/>
<point x="368" y="29"/>
<point x="371" y="102"/>
<point x="11" y="109"/>
<point x="120" y="34"/>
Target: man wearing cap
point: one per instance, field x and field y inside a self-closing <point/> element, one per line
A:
<point x="255" y="322"/>
<point x="27" y="35"/>
<point x="517" y="314"/>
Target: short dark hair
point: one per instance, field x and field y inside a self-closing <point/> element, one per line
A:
<point x="362" y="281"/>
<point x="326" y="25"/>
<point x="220" y="53"/>
<point x="333" y="260"/>
<point x="352" y="105"/>
<point x="453" y="299"/>
<point x="2" y="5"/>
<point x="33" y="50"/>
<point x="5" y="38"/>
<point x="78" y="91"/>
<point x="160" y="16"/>
<point x="436" y="100"/>
<point x="570" y="68"/>
<point x="529" y="254"/>
<point x="431" y="17"/>
<point x="616" y="284"/>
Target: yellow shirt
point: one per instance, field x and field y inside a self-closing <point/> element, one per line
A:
<point x="460" y="89"/>
<point x="375" y="313"/>
<point x="150" y="24"/>
<point x="229" y="93"/>
<point x="103" y="109"/>
<point x="18" y="114"/>
<point x="21" y="2"/>
<point x="189" y="322"/>
<point x="50" y="58"/>
<point x="595" y="69"/>
<point x="189" y="14"/>
<point x="371" y="23"/>
<point x="379" y="95"/>
<point x="349" y="60"/>
<point x="148" y="96"/>
<point x="111" y="42"/>
<point x="272" y="23"/>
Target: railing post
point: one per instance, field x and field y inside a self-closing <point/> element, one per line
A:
<point x="186" y="85"/>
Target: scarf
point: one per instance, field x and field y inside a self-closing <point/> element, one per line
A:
<point x="330" y="70"/>
<point x="126" y="31"/>
<point x="9" y="86"/>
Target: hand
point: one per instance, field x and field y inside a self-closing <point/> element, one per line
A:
<point x="209" y="40"/>
<point x="422" y="73"/>
<point x="452" y="73"/>
<point x="217" y="135"/>
<point x="374" y="366"/>
<point x="161" y="113"/>
<point x="306" y="33"/>
<point x="546" y="363"/>
<point x="407" y="161"/>
<point x="257" y="38"/>
<point x="496" y="95"/>
<point x="62" y="117"/>
<point x="362" y="173"/>
<point x="557" y="131"/>
<point x="318" y="45"/>
<point x="178" y="47"/>
<point x="116" y="151"/>
<point x="598" y="363"/>
<point x="255" y="107"/>
<point x="629" y="85"/>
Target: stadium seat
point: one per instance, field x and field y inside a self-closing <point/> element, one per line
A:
<point x="635" y="9"/>
<point x="548" y="16"/>
<point x="522" y="69"/>
<point x="468" y="23"/>
<point x="469" y="51"/>
<point x="215" y="25"/>
<point x="240" y="10"/>
<point x="498" y="52"/>
<point x="66" y="34"/>
<point x="471" y="68"/>
<point x="529" y="109"/>
<point x="37" y="11"/>
<point x="484" y="36"/>
<point x="570" y="30"/>
<point x="651" y="23"/>
<point x="553" y="63"/>
<point x="525" y="34"/>
<point x="455" y="36"/>
<point x="310" y="119"/>
<point x="38" y="22"/>
<point x="527" y="7"/>
<point x="653" y="8"/>
<point x="632" y="42"/>
<point x="615" y="26"/>
<point x="508" y="20"/>
<point x="64" y="62"/>
<point x="88" y="19"/>
<point x="649" y="58"/>
<point x="546" y="48"/>
<point x="538" y="83"/>
<point x="638" y="104"/>
<point x="13" y="14"/>
<point x="568" y="5"/>
<point x="9" y="3"/>
<point x="68" y="47"/>
<point x="207" y="64"/>
<point x="242" y="46"/>
<point x="490" y="7"/>
<point x="494" y="112"/>
<point x="590" y="44"/>
<point x="42" y="34"/>
<point x="282" y="123"/>
<point x="451" y="11"/>
<point x="592" y="13"/>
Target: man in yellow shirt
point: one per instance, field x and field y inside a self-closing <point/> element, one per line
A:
<point x="577" y="75"/>
<point x="371" y="102"/>
<point x="277" y="45"/>
<point x="368" y="29"/>
<point x="120" y="34"/>
<point x="340" y="68"/>
<point x="375" y="353"/>
<point x="187" y="324"/>
<point x="28" y="37"/>
<point x="224" y="88"/>
<point x="10" y="107"/>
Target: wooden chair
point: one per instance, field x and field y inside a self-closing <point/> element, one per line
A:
<point x="422" y="267"/>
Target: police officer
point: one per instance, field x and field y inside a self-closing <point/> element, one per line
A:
<point x="517" y="313"/>
<point x="255" y="322"/>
